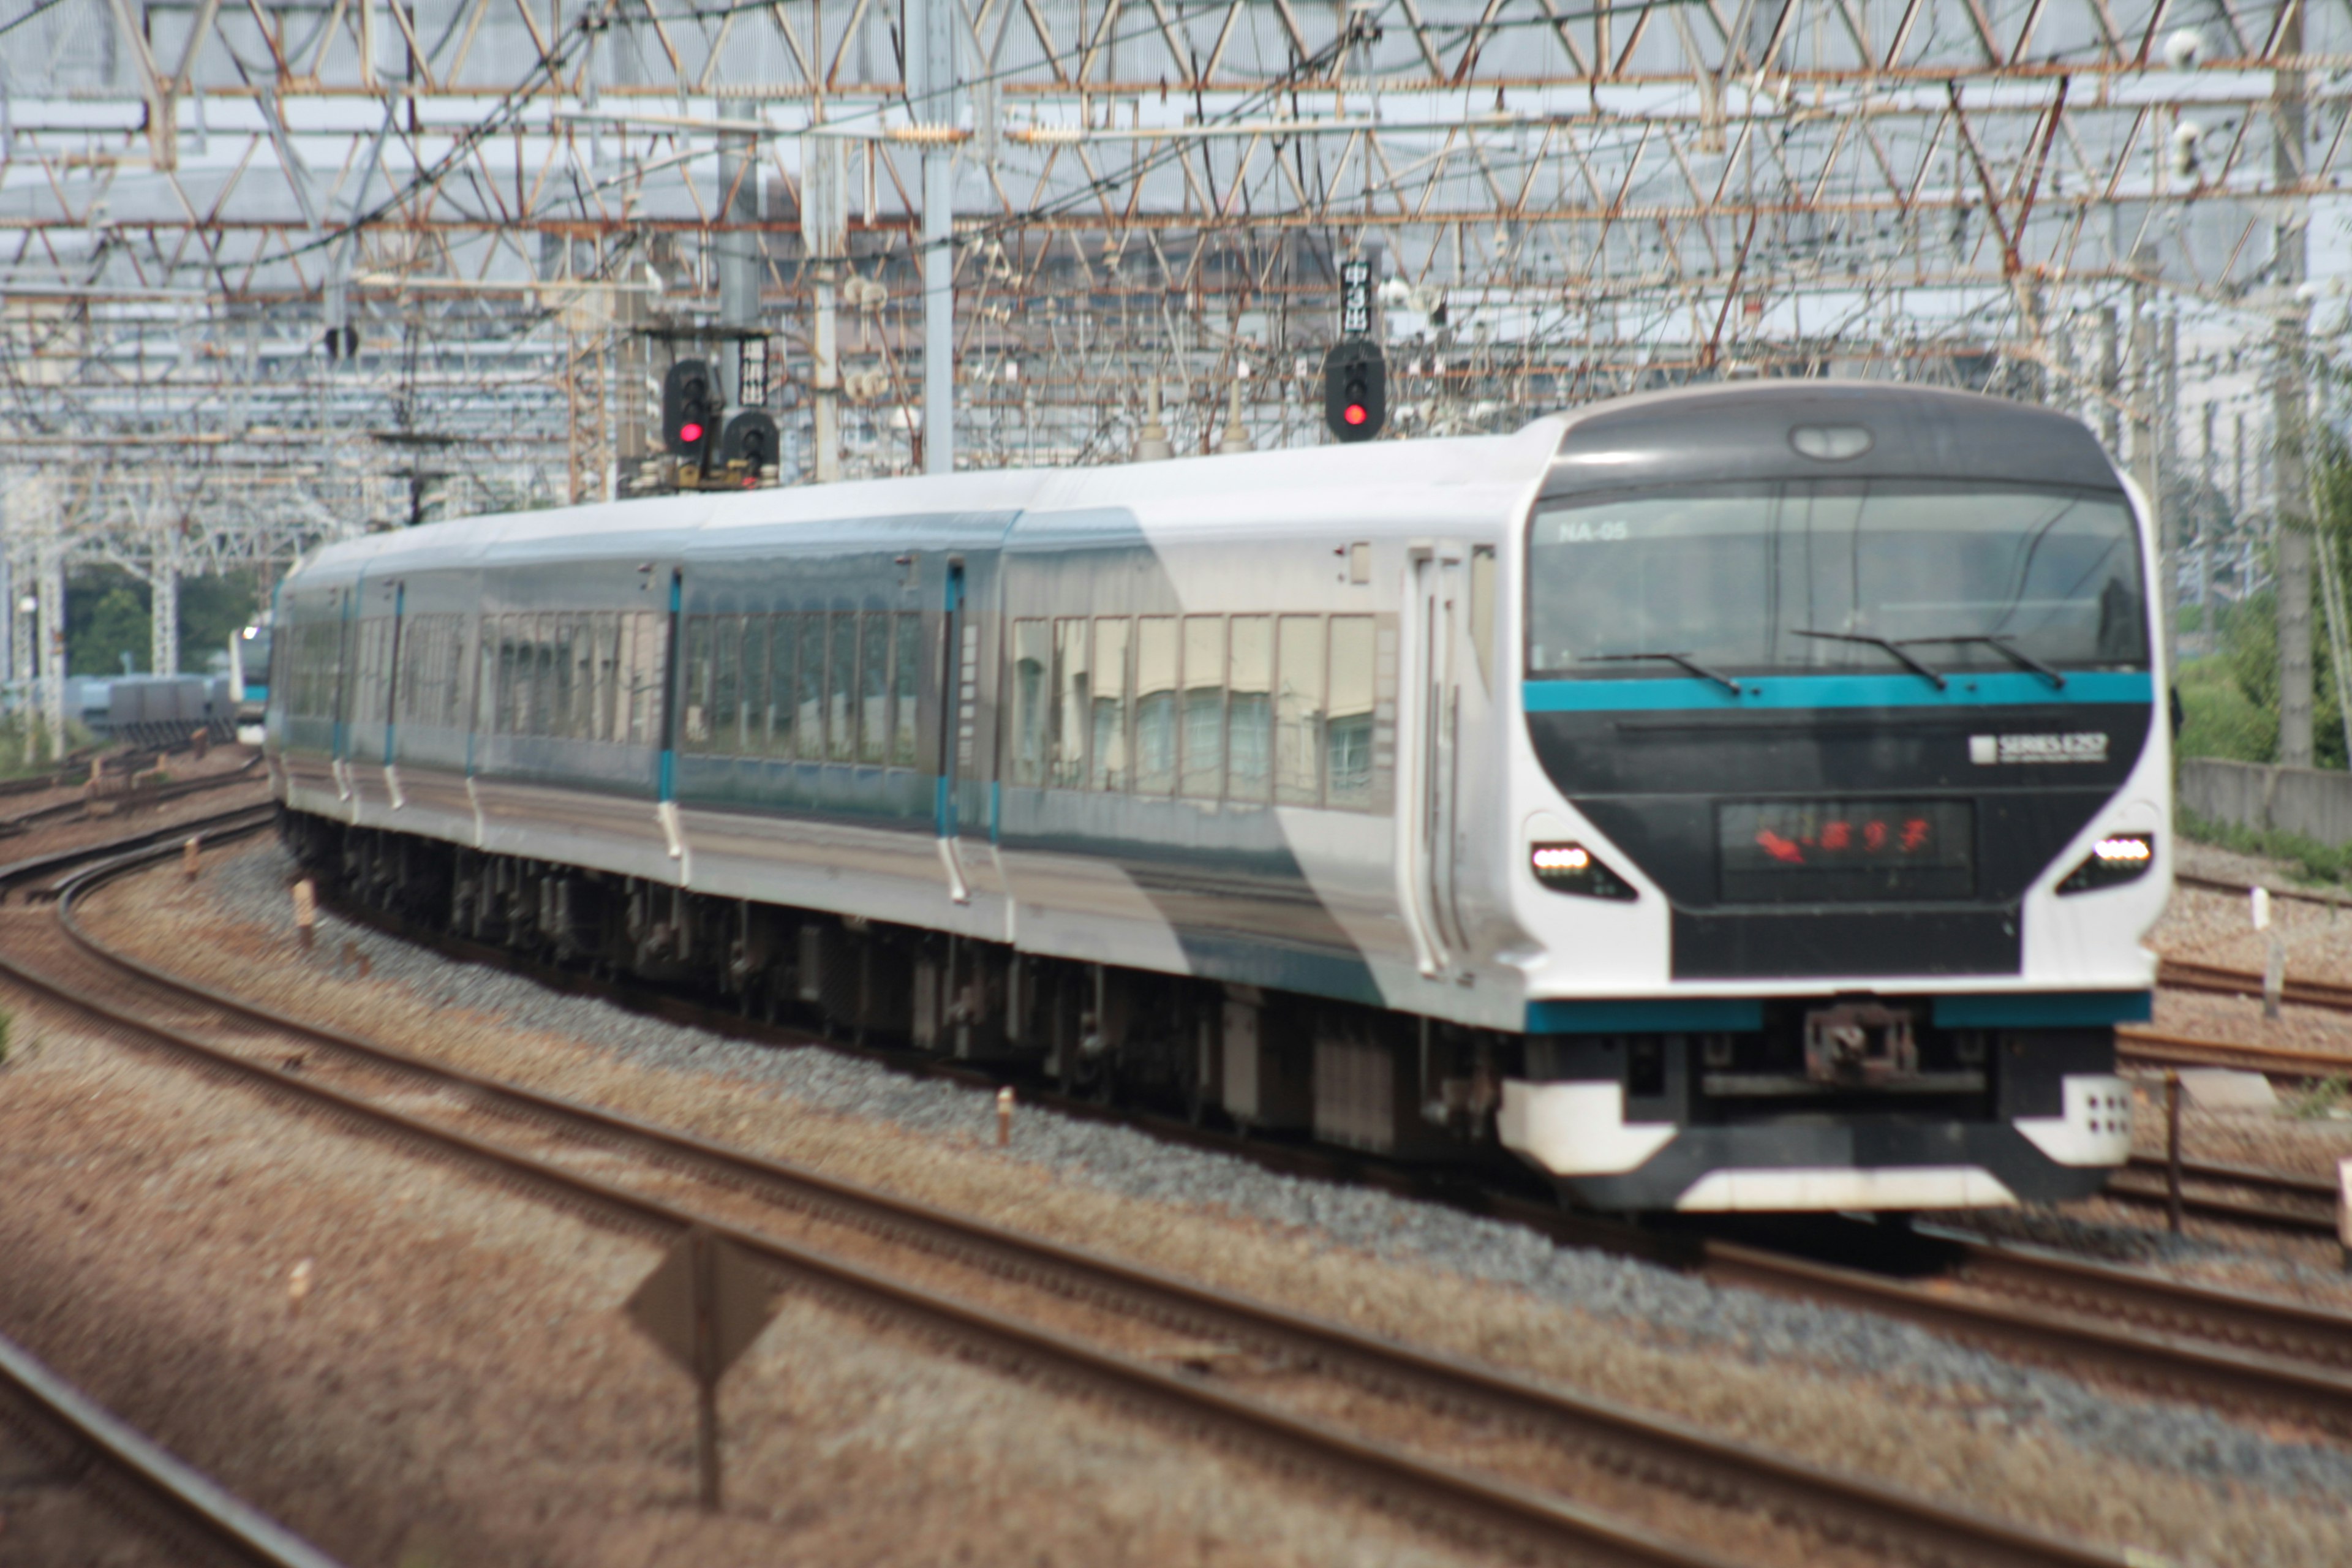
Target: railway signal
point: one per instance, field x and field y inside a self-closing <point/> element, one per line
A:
<point x="689" y="410"/>
<point x="1355" y="389"/>
<point x="749" y="440"/>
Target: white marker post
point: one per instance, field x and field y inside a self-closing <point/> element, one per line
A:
<point x="2343" y="1210"/>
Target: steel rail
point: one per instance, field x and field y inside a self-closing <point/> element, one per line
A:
<point x="2187" y="1050"/>
<point x="2216" y="885"/>
<point x="2095" y="1291"/>
<point x="1655" y="1450"/>
<point x="2180" y="975"/>
<point x="1487" y="1506"/>
<point x="2221" y="1372"/>
<point x="2081" y="1341"/>
<point x="2144" y="1182"/>
<point x="192" y="1500"/>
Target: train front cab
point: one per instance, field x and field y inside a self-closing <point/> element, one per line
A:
<point x="1843" y="804"/>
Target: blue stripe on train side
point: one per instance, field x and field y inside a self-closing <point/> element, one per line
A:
<point x="2004" y="689"/>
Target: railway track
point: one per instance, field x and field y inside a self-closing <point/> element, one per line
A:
<point x="2150" y="1046"/>
<point x="2248" y="1195"/>
<point x="190" y="1513"/>
<point x="1309" y="1393"/>
<point x="2180" y="975"/>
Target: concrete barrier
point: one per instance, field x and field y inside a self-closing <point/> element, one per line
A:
<point x="2313" y="802"/>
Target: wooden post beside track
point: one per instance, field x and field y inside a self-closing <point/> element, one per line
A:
<point x="305" y="913"/>
<point x="2172" y="1146"/>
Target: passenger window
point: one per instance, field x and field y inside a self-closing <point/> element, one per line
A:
<point x="1204" y="733"/>
<point x="1298" y="712"/>
<point x="1032" y="660"/>
<point x="649" y="674"/>
<point x="1108" y="737"/>
<point x="1347" y="728"/>
<point x="754" y="694"/>
<point x="841" y="697"/>
<point x="727" y="688"/>
<point x="810" y="721"/>
<point x="612" y="693"/>
<point x="542" y="695"/>
<point x="696" y="731"/>
<point x="1155" y="705"/>
<point x="784" y="633"/>
<point x="1072" y="701"/>
<point x="1249" y="690"/>
<point x="906" y="687"/>
<point x="874" y="730"/>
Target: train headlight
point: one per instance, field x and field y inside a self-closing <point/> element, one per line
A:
<point x="2118" y="857"/>
<point x="1573" y="868"/>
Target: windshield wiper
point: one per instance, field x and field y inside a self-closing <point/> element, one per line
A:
<point x="1685" y="660"/>
<point x="1890" y="645"/>
<point x="2006" y="649"/>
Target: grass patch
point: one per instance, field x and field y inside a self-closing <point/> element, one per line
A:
<point x="2219" y="719"/>
<point x="2306" y="859"/>
<point x="2322" y="1098"/>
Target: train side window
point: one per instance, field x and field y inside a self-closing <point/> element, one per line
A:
<point x="810" y="721"/>
<point x="1298" y="710"/>
<point x="906" y="688"/>
<point x="840" y="699"/>
<point x="511" y="675"/>
<point x="1072" y="689"/>
<point x="1204" y="725"/>
<point x="610" y="704"/>
<point x="560" y="666"/>
<point x="1249" y="708"/>
<point x="695" y="729"/>
<point x="874" y="687"/>
<point x="1155" y="704"/>
<point x="1032" y="664"/>
<point x="783" y="641"/>
<point x="583" y="677"/>
<point x="641" y="675"/>
<point x="1348" y="726"/>
<point x="1109" y="727"/>
<point x="755" y="685"/>
<point x="727" y="687"/>
<point x="546" y="716"/>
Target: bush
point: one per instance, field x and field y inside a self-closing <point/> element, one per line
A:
<point x="2308" y="860"/>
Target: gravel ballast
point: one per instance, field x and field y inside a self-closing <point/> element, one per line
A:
<point x="1665" y="1340"/>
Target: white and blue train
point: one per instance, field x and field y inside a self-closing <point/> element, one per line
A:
<point x="1741" y="798"/>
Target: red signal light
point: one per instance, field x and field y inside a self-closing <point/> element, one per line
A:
<point x="1354" y="414"/>
<point x="689" y="432"/>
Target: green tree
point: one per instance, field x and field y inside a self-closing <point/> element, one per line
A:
<point x="212" y="609"/>
<point x="106" y="617"/>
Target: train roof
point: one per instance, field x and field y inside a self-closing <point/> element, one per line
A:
<point x="1365" y="481"/>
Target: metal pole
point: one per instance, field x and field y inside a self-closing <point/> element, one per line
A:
<point x="935" y="105"/>
<point x="2293" y="499"/>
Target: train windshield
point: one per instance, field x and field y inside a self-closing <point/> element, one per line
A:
<point x="1836" y="577"/>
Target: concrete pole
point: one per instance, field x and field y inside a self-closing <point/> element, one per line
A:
<point x="2292" y="501"/>
<point x="52" y="592"/>
<point x="164" y="598"/>
<point x="2111" y="424"/>
<point x="824" y="233"/>
<point x="932" y="66"/>
<point x="2148" y="418"/>
<point x="738" y="244"/>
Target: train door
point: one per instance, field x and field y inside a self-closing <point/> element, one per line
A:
<point x="1429" y="801"/>
<point x="959" y="700"/>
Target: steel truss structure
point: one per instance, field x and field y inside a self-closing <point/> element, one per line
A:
<point x="281" y="269"/>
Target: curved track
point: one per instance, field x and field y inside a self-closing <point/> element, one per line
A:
<point x="2127" y="1325"/>
<point x="1261" y="1377"/>
<point x="188" y="1511"/>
